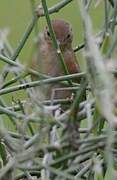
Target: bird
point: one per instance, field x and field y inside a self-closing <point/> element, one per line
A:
<point x="46" y="61"/>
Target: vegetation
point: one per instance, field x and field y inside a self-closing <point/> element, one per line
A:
<point x="37" y="141"/>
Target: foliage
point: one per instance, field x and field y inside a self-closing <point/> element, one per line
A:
<point x="80" y="142"/>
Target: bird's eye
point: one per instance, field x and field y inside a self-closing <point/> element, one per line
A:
<point x="68" y="36"/>
<point x="48" y="33"/>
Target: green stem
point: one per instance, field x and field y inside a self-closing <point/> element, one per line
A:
<point x="55" y="44"/>
<point x="37" y="83"/>
<point x="79" y="96"/>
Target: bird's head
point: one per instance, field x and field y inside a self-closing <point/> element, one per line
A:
<point x="63" y="33"/>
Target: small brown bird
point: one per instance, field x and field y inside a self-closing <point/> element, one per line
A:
<point x="46" y="59"/>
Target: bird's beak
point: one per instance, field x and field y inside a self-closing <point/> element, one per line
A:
<point x="58" y="42"/>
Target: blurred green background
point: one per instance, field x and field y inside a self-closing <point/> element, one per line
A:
<point x="15" y="15"/>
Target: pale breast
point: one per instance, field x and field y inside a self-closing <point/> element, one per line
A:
<point x="50" y="63"/>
